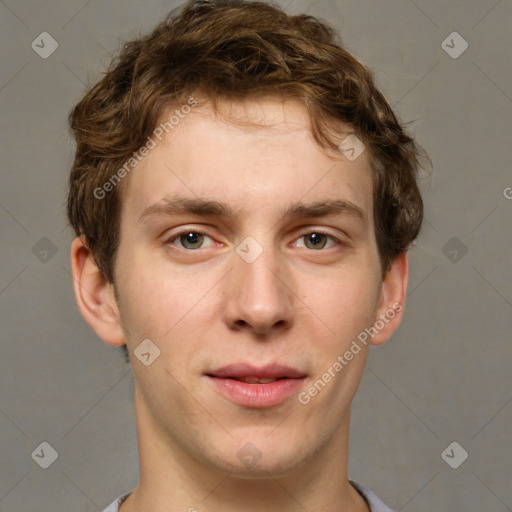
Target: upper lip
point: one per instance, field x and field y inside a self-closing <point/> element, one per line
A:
<point x="269" y="371"/>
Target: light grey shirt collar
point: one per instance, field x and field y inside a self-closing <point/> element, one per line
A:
<point x="374" y="503"/>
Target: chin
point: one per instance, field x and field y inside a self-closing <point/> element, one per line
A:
<point x="256" y="457"/>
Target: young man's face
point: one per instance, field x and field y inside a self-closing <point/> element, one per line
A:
<point x="249" y="287"/>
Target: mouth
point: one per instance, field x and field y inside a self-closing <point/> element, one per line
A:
<point x="257" y="387"/>
<point x="253" y="379"/>
<point x="241" y="371"/>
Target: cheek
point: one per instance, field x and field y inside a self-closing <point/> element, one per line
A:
<point x="345" y="301"/>
<point x="171" y="307"/>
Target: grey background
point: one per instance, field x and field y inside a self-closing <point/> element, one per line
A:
<point x="444" y="377"/>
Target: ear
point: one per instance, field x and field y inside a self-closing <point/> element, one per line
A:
<point x="392" y="301"/>
<point x="95" y="295"/>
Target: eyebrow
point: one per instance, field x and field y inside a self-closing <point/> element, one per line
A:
<point x="204" y="207"/>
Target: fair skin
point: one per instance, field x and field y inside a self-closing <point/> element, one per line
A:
<point x="299" y="304"/>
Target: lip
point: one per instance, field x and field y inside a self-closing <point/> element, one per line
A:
<point x="257" y="395"/>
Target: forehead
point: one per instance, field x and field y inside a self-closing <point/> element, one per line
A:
<point x="253" y="155"/>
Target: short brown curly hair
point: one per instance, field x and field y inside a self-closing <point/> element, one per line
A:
<point x="237" y="49"/>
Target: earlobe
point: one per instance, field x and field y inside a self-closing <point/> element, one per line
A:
<point x="392" y="303"/>
<point x="95" y="295"/>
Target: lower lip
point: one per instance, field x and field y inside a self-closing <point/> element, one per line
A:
<point x="257" y="395"/>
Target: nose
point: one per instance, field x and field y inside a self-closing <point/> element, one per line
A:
<point x="258" y="297"/>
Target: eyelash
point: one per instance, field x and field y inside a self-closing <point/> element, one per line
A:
<point x="176" y="236"/>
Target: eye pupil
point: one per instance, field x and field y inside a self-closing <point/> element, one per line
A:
<point x="316" y="240"/>
<point x="191" y="238"/>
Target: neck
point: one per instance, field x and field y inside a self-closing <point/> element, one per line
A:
<point x="171" y="480"/>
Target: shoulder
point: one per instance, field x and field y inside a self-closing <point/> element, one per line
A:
<point x="114" y="506"/>
<point x="375" y="504"/>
